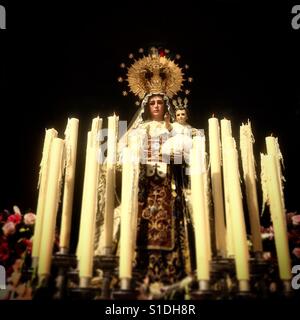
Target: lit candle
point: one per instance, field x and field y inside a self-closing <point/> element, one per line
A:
<point x="43" y="177"/>
<point x="51" y="207"/>
<point x="216" y="180"/>
<point x="226" y="132"/>
<point x="237" y="216"/>
<point x="202" y="236"/>
<point x="110" y="183"/>
<point x="71" y="135"/>
<point x="248" y="163"/>
<point x="126" y="252"/>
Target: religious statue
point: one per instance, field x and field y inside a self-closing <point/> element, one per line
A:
<point x="164" y="230"/>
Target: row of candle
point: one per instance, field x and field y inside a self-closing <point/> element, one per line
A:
<point x="230" y="230"/>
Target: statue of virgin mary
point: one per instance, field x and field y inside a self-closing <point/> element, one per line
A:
<point x="163" y="239"/>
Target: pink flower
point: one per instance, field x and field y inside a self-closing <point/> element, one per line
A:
<point x="289" y="217"/>
<point x="296" y="220"/>
<point x="296" y="252"/>
<point x="267" y="255"/>
<point x="29" y="218"/>
<point x="15" y="218"/>
<point x="9" y="228"/>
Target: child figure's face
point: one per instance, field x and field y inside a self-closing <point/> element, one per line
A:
<point x="181" y="116"/>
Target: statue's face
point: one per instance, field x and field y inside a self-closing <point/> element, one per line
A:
<point x="181" y="116"/>
<point x="157" y="108"/>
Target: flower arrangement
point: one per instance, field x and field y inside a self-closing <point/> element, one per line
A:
<point x="293" y="228"/>
<point x="16" y="231"/>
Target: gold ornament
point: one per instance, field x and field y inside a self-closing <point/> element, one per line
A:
<point x="154" y="74"/>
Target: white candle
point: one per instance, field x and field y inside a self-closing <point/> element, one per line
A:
<point x="126" y="252"/>
<point x="88" y="216"/>
<point x="226" y="132"/>
<point x="89" y="206"/>
<point x="43" y="178"/>
<point x="248" y="163"/>
<point x="273" y="149"/>
<point x="71" y="135"/>
<point x="110" y="183"/>
<point x="199" y="146"/>
<point x="92" y="140"/>
<point x="202" y="236"/>
<point x="217" y="188"/>
<point x="135" y="147"/>
<point x="277" y="215"/>
<point x="82" y="220"/>
<point x="51" y="207"/>
<point x="90" y="184"/>
<point x="237" y="212"/>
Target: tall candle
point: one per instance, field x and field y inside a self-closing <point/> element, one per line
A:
<point x="217" y="188"/>
<point x="273" y="149"/>
<point x="199" y="145"/>
<point x="277" y="215"/>
<point x="237" y="213"/>
<point x="226" y="132"/>
<point x="110" y="183"/>
<point x="51" y="207"/>
<point x="202" y="235"/>
<point x="50" y="134"/>
<point x="126" y="252"/>
<point x="88" y="216"/>
<point x="89" y="182"/>
<point x="248" y="163"/>
<point x="82" y="219"/>
<point x="71" y="135"/>
<point x="135" y="147"/>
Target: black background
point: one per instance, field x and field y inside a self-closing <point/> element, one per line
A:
<point x="60" y="61"/>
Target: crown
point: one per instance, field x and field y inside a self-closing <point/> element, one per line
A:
<point x="154" y="73"/>
<point x="179" y="104"/>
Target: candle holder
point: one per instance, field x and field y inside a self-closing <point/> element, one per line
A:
<point x="203" y="292"/>
<point x="63" y="261"/>
<point x="221" y="270"/>
<point x="126" y="291"/>
<point x="45" y="288"/>
<point x="260" y="276"/>
<point x="243" y="291"/>
<point x="107" y="263"/>
<point x="84" y="291"/>
<point x="277" y="288"/>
